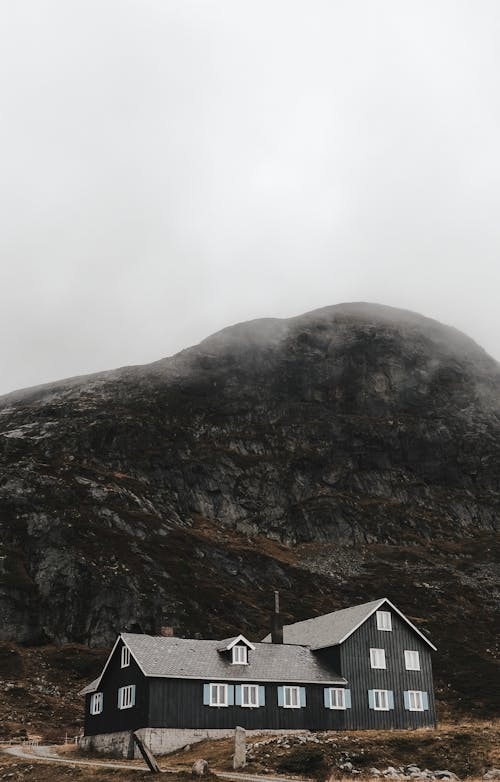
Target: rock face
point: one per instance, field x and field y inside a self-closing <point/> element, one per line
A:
<point x="340" y="456"/>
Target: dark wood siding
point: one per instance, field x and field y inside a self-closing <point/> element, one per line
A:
<point x="178" y="703"/>
<point x="356" y="668"/>
<point x="112" y="718"/>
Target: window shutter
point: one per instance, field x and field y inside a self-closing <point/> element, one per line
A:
<point x="302" y="696"/>
<point x="132" y="695"/>
<point x="406" y="695"/>
<point x="262" y="695"/>
<point x="390" y="698"/>
<point x="281" y="697"/>
<point x="120" y="698"/>
<point x="425" y="701"/>
<point x="230" y="694"/>
<point x="326" y="695"/>
<point x="206" y="695"/>
<point x="347" y="699"/>
<point x="371" y="699"/>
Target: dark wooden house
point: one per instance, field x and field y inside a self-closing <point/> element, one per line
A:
<point x="363" y="667"/>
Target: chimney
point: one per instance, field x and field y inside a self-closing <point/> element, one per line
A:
<point x="276" y="621"/>
<point x="167" y="632"/>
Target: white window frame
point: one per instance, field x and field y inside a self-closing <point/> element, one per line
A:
<point x="246" y="693"/>
<point x="384" y="621"/>
<point x="216" y="691"/>
<point x="96" y="703"/>
<point x="415" y="700"/>
<point x="377" y="659"/>
<point x="337" y="698"/>
<point x="383" y="696"/>
<point x="240" y="655"/>
<point x="412" y="660"/>
<point x="125" y="660"/>
<point x="292" y="694"/>
<point x="126" y="697"/>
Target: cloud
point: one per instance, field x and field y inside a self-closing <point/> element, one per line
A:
<point x="171" y="168"/>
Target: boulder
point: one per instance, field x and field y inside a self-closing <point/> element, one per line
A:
<point x="200" y="768"/>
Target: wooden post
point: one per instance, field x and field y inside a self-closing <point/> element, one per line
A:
<point x="147" y="755"/>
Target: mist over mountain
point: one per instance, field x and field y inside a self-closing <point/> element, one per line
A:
<point x="343" y="455"/>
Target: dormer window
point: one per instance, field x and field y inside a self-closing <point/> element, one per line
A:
<point x="240" y="655"/>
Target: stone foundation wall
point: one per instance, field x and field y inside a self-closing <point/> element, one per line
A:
<point x="160" y="741"/>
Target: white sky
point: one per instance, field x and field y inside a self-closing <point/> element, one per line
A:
<point x="169" y="167"/>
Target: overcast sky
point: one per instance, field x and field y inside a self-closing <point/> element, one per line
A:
<point x="170" y="167"/>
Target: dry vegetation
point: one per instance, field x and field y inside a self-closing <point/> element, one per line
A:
<point x="39" y="689"/>
<point x="467" y="749"/>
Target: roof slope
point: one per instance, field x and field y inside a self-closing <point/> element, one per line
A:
<point x="185" y="658"/>
<point x="332" y="629"/>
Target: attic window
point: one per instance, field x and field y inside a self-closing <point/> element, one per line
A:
<point x="125" y="656"/>
<point x="240" y="655"/>
<point x="384" y="621"/>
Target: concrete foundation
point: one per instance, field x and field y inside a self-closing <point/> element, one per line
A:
<point x="160" y="741"/>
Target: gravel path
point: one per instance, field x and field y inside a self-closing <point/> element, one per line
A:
<point x="49" y="754"/>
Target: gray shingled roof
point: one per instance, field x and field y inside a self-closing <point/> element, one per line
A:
<point x="185" y="658"/>
<point x="331" y="629"/>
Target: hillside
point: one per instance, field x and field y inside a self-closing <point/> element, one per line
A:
<point x="344" y="455"/>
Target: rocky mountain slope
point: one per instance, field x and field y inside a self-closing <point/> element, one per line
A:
<point x="343" y="455"/>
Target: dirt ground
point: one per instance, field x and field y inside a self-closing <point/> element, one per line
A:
<point x="467" y="749"/>
<point x="16" y="770"/>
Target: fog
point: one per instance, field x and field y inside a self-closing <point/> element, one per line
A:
<point x="169" y="167"/>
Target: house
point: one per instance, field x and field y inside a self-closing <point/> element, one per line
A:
<point x="362" y="667"/>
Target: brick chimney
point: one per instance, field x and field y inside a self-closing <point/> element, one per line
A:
<point x="167" y="632"/>
<point x="276" y="621"/>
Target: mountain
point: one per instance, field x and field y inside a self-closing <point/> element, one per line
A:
<point x="340" y="456"/>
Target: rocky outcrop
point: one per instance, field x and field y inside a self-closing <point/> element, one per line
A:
<point x="341" y="455"/>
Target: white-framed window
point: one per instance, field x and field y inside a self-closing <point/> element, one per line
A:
<point x="384" y="620"/>
<point x="218" y="695"/>
<point x="250" y="695"/>
<point x="415" y="700"/>
<point x="96" y="703"/>
<point x="381" y="700"/>
<point x="377" y="658"/>
<point x="240" y="655"/>
<point x="291" y="697"/>
<point x="337" y="698"/>
<point x="125" y="656"/>
<point x="412" y="660"/>
<point x="126" y="697"/>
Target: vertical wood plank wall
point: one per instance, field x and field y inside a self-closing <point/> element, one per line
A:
<point x="355" y="666"/>
<point x="112" y="718"/>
